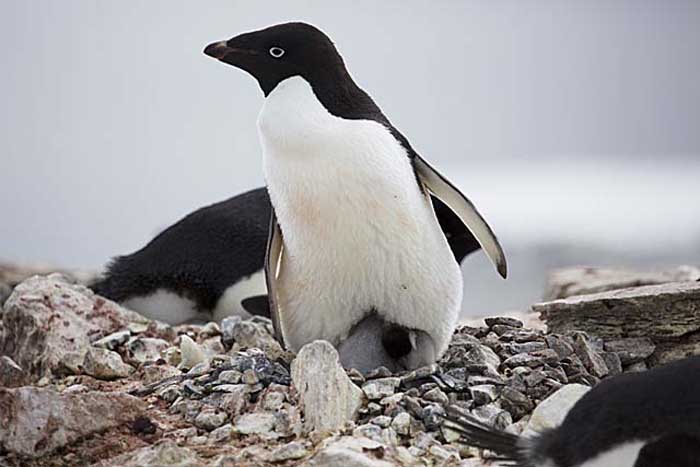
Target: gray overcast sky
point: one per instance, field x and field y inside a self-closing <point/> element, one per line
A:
<point x="114" y="124"/>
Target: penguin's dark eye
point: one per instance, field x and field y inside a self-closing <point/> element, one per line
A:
<point x="276" y="52"/>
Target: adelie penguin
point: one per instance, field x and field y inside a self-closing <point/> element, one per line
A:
<point x="648" y="419"/>
<point x="356" y="255"/>
<point x="209" y="264"/>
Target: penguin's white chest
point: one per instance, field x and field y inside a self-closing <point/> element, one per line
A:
<point x="360" y="236"/>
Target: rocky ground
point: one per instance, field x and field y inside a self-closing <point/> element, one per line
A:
<point x="84" y="381"/>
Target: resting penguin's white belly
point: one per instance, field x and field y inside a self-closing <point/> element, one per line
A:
<point x="359" y="234"/>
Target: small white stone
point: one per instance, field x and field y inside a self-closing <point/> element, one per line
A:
<point x="191" y="352"/>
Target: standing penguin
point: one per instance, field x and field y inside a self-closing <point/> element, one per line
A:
<point x="649" y="419"/>
<point x="355" y="255"/>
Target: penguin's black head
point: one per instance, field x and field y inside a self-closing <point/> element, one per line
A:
<point x="279" y="52"/>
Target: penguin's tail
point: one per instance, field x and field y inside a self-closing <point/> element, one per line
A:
<point x="509" y="449"/>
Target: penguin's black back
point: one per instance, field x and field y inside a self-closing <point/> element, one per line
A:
<point x="662" y="404"/>
<point x="198" y="257"/>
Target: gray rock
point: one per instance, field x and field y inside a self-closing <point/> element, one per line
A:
<point x="628" y="312"/>
<point x="48" y="323"/>
<point x="503" y="320"/>
<point x="515" y="402"/>
<point x="380" y="388"/>
<point x="349" y="451"/>
<point x="234" y="401"/>
<point x="249" y="333"/>
<point x="401" y="423"/>
<point x="483" y="394"/>
<point x="329" y="398"/>
<point x="146" y="349"/>
<point x="170" y="393"/>
<point x="36" y="421"/>
<point x="612" y="362"/>
<point x="368" y="430"/>
<point x="432" y="416"/>
<point x="493" y="416"/>
<point x="210" y="419"/>
<point x="11" y="374"/>
<point x="436" y="395"/>
<point x="444" y="454"/>
<point x="227" y="326"/>
<point x="221" y="434"/>
<point x="523" y="359"/>
<point x="632" y="349"/>
<point x="164" y="454"/>
<point x="561" y="345"/>
<point x="272" y="400"/>
<point x="551" y="411"/>
<point x="567" y="282"/>
<point x="105" y="364"/>
<point x="259" y="423"/>
<point x="149" y="374"/>
<point x="113" y="341"/>
<point x="229" y="377"/>
<point x="381" y="421"/>
<point x="291" y="451"/>
<point x="591" y="359"/>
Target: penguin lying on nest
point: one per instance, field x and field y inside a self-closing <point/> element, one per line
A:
<point x="356" y="255"/>
<point x="648" y="419"/>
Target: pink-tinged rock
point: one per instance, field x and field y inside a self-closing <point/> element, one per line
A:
<point x="49" y="324"/>
<point x="35" y="421"/>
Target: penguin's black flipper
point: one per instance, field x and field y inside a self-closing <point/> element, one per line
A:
<point x="258" y="305"/>
<point x="461" y="241"/>
<point x="441" y="188"/>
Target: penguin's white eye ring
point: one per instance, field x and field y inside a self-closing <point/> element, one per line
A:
<point x="276" y="52"/>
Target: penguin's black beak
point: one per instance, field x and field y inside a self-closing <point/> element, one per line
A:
<point x="229" y="52"/>
<point x="218" y="50"/>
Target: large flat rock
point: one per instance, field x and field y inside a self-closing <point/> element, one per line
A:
<point x="567" y="282"/>
<point x="667" y="314"/>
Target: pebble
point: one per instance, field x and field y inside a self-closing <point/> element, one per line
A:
<point x="382" y="421"/>
<point x="379" y="388"/>
<point x="523" y="359"/>
<point x="105" y="364"/>
<point x="255" y="423"/>
<point x="401" y="423"/>
<point x="503" y="320"/>
<point x="221" y="434"/>
<point x="113" y="341"/>
<point x="290" y="451"/>
<point x="483" y="393"/>
<point x="436" y="395"/>
<point x="226" y="328"/>
<point x="209" y="419"/>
